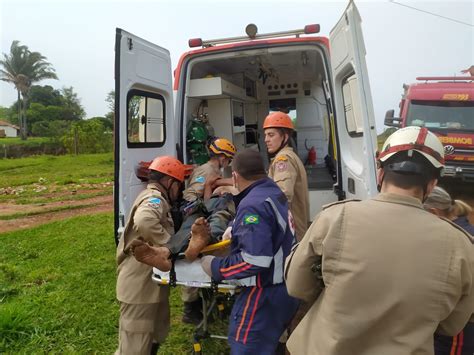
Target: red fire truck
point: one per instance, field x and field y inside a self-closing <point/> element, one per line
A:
<point x="444" y="105"/>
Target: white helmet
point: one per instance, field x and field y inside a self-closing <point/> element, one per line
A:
<point x="411" y="139"/>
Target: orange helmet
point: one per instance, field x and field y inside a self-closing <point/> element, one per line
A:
<point x="278" y="120"/>
<point x="169" y="166"/>
<point x="222" y="146"/>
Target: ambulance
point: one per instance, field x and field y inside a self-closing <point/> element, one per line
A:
<point x="230" y="85"/>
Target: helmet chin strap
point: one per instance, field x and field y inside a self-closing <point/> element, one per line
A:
<point x="283" y="144"/>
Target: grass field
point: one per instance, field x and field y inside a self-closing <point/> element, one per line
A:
<point x="35" y="179"/>
<point x="17" y="141"/>
<point x="57" y="292"/>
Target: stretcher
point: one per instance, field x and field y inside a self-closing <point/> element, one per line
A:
<point x="214" y="296"/>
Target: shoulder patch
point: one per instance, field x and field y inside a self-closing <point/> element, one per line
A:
<point x="340" y="203"/>
<point x="251" y="219"/>
<point x="153" y="202"/>
<point x="281" y="165"/>
<point x="281" y="158"/>
<point x="200" y="179"/>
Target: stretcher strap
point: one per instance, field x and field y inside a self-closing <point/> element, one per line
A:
<point x="172" y="280"/>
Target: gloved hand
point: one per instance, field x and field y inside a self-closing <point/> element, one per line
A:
<point x="206" y="264"/>
<point x="227" y="233"/>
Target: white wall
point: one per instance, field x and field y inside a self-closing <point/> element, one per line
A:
<point x="10" y="131"/>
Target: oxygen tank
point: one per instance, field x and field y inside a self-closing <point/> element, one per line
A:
<point x="196" y="140"/>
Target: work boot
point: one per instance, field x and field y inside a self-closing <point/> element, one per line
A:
<point x="192" y="312"/>
<point x="200" y="236"/>
<point x="154" y="256"/>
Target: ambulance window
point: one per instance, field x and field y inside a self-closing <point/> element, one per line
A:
<point x="352" y="110"/>
<point x="145" y="119"/>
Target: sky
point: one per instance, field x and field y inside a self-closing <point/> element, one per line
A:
<point x="77" y="37"/>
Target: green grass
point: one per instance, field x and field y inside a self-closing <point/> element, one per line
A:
<point x="57" y="170"/>
<point x="57" y="292"/>
<point x="17" y="141"/>
<point x="38" y="176"/>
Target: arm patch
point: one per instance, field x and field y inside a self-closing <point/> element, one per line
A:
<point x="153" y="202"/>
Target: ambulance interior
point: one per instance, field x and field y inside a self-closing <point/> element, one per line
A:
<point x="233" y="92"/>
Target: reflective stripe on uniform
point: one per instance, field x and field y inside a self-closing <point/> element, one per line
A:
<point x="257" y="260"/>
<point x="278" y="267"/>
<point x="281" y="220"/>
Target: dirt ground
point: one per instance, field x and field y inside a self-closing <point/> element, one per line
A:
<point x="85" y="206"/>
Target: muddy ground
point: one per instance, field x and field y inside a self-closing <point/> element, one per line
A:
<point x="51" y="211"/>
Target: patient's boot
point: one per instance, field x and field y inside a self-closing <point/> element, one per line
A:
<point x="192" y="313"/>
<point x="200" y="235"/>
<point x="154" y="256"/>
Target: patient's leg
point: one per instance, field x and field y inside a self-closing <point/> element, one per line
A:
<point x="154" y="256"/>
<point x="200" y="236"/>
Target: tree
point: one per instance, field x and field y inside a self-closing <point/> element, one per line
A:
<point x="73" y="109"/>
<point x="45" y="95"/>
<point x="87" y="136"/>
<point x="22" y="68"/>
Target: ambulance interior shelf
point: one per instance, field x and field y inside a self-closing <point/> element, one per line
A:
<point x="227" y="106"/>
<point x="217" y="88"/>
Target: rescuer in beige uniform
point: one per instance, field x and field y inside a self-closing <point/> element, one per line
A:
<point x="286" y="168"/>
<point x="144" y="307"/>
<point x="221" y="153"/>
<point x="383" y="275"/>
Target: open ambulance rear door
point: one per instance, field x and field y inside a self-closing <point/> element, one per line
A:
<point x="144" y="119"/>
<point x="355" y="121"/>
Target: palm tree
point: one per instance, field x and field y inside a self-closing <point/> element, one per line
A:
<point x="22" y="68"/>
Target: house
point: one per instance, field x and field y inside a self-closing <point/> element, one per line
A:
<point x="8" y="130"/>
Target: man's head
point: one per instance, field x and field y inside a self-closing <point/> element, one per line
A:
<point x="169" y="172"/>
<point x="247" y="168"/>
<point x="278" y="129"/>
<point x="439" y="202"/>
<point x="411" y="159"/>
<point x="223" y="151"/>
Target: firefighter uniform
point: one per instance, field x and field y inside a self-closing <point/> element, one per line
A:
<point x="193" y="192"/>
<point x="288" y="172"/>
<point x="144" y="309"/>
<point x="197" y="180"/>
<point x="378" y="290"/>
<point x="262" y="236"/>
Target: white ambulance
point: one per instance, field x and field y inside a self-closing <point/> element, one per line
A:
<point x="235" y="82"/>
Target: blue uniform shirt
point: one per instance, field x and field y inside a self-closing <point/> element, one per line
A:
<point x="262" y="237"/>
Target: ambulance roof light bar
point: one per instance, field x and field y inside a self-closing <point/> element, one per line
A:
<point x="251" y="31"/>
<point x="446" y="78"/>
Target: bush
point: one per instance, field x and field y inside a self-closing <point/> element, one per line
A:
<point x="53" y="129"/>
<point x="88" y="136"/>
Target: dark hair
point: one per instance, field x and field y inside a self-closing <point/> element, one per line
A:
<point x="249" y="164"/>
<point x="407" y="172"/>
<point x="156" y="176"/>
<point x="291" y="135"/>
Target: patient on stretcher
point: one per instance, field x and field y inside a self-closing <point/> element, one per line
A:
<point x="205" y="222"/>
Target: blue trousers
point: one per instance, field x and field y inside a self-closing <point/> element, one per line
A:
<point x="461" y="344"/>
<point x="259" y="317"/>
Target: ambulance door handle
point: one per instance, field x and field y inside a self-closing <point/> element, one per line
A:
<point x="351" y="186"/>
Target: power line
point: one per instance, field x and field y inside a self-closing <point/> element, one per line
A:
<point x="431" y="13"/>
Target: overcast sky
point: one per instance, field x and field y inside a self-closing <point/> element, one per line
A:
<point x="77" y="37"/>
